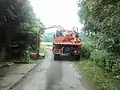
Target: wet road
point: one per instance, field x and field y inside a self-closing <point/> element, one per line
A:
<point x="53" y="75"/>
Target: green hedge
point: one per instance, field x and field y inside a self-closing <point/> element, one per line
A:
<point x="108" y="61"/>
<point x="86" y="49"/>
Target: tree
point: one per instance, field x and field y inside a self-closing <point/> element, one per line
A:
<point x="17" y="19"/>
<point x="102" y="19"/>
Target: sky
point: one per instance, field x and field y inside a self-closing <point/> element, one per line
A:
<point x="57" y="12"/>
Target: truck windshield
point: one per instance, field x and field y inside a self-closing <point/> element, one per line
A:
<point x="59" y="33"/>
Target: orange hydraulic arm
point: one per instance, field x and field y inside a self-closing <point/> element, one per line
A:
<point x="38" y="34"/>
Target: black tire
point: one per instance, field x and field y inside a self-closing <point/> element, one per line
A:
<point x="56" y="57"/>
<point x="77" y="57"/>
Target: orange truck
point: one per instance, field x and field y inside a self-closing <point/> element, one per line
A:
<point x="66" y="43"/>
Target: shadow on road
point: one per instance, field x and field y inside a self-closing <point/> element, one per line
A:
<point x="54" y="76"/>
<point x="66" y="58"/>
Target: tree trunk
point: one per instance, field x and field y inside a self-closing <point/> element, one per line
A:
<point x="2" y="54"/>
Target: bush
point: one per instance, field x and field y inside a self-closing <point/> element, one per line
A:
<point x="86" y="49"/>
<point x="113" y="64"/>
<point x="100" y="77"/>
<point x="108" y="61"/>
<point x="99" y="57"/>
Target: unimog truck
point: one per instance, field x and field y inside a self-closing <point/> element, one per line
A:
<point x="66" y="43"/>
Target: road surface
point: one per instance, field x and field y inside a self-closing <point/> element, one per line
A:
<point x="53" y="75"/>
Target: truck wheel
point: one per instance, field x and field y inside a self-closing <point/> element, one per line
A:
<point x="77" y="57"/>
<point x="56" y="57"/>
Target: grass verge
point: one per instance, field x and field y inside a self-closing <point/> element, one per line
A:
<point x="100" y="77"/>
<point x="28" y="60"/>
<point x="42" y="50"/>
<point x="34" y="61"/>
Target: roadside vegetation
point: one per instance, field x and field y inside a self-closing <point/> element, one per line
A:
<point x="33" y="61"/>
<point x="101" y="78"/>
<point x="101" y="48"/>
<point x="90" y="65"/>
<point x="18" y="26"/>
<point x="42" y="50"/>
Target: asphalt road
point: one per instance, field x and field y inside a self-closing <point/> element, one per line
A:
<point x="53" y="75"/>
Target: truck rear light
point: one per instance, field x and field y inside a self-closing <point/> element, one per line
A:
<point x="57" y="51"/>
<point x="77" y="52"/>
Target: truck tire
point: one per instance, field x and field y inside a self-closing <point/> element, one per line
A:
<point x="77" y="57"/>
<point x="56" y="57"/>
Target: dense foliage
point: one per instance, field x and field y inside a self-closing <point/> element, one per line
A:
<point x="18" y="26"/>
<point x="101" y="19"/>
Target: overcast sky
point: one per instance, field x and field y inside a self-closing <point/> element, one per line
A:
<point x="57" y="12"/>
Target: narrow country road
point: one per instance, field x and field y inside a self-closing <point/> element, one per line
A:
<point x="53" y="75"/>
